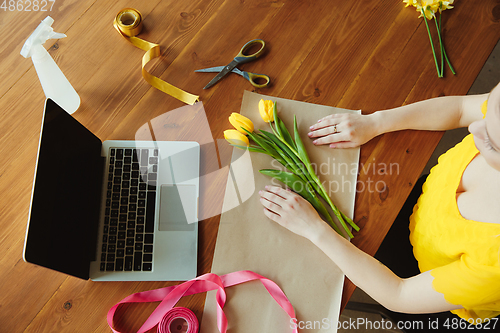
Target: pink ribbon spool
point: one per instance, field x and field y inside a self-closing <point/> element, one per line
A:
<point x="178" y="320"/>
<point x="169" y="296"/>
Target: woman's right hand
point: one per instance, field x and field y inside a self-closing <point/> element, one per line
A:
<point x="291" y="211"/>
<point x="343" y="130"/>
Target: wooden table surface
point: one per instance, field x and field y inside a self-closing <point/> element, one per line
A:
<point x="366" y="55"/>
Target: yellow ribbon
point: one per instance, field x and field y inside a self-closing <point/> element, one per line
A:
<point x="128" y="22"/>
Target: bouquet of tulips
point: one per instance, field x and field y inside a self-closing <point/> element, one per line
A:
<point x="428" y="9"/>
<point x="290" y="152"/>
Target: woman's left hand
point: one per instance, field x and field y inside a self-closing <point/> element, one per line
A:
<point x="343" y="130"/>
<point x="291" y="211"/>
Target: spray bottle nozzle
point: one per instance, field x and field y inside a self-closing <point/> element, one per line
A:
<point x="56" y="35"/>
<point x="42" y="33"/>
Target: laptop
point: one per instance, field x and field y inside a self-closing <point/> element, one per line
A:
<point x="112" y="210"/>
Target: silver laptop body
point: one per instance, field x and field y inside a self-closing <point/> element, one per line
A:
<point x="112" y="211"/>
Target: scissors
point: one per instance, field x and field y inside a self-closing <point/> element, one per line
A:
<point x="240" y="58"/>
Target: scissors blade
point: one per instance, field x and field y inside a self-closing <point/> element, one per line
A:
<point x="227" y="69"/>
<point x="211" y="70"/>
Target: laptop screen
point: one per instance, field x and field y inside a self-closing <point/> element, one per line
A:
<point x="62" y="230"/>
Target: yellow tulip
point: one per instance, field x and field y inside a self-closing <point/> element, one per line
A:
<point x="266" y="110"/>
<point x="430" y="7"/>
<point x="236" y="138"/>
<point x="446" y="5"/>
<point x="239" y="122"/>
<point x="410" y="2"/>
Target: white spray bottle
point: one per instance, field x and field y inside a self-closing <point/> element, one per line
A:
<point x="55" y="85"/>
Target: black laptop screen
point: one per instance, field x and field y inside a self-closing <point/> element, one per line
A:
<point x="66" y="196"/>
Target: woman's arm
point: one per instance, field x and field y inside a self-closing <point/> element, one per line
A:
<point x="435" y="114"/>
<point x="412" y="295"/>
<point x="440" y="113"/>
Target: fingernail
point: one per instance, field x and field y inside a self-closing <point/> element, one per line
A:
<point x="309" y="134"/>
<point x="311" y="127"/>
<point x="266" y="187"/>
<point x="260" y="192"/>
<point x="315" y="141"/>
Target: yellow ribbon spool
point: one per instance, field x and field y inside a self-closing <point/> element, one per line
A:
<point x="128" y="22"/>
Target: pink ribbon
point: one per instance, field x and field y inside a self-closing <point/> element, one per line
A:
<point x="178" y="320"/>
<point x="169" y="296"/>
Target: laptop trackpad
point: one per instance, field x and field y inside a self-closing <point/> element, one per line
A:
<point x="178" y="207"/>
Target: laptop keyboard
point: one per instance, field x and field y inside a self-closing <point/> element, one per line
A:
<point x="127" y="243"/>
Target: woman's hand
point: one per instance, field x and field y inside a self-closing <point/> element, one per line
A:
<point x="291" y="211"/>
<point x="344" y="130"/>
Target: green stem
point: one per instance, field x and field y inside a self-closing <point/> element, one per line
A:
<point x="432" y="43"/>
<point x="442" y="48"/>
<point x="292" y="149"/>
<point x="289" y="162"/>
<point x="310" y="175"/>
<point x="351" y="222"/>
<point x="274" y="131"/>
<point x="322" y="192"/>
<point x="313" y="178"/>
<point x="334" y="208"/>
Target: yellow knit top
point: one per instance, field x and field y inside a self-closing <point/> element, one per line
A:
<point x="463" y="255"/>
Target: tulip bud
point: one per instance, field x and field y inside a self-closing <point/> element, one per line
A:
<point x="266" y="110"/>
<point x="239" y="122"/>
<point x="236" y="138"/>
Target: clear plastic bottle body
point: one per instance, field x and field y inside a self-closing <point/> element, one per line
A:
<point x="54" y="83"/>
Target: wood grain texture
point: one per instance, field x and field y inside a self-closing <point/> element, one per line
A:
<point x="366" y="55"/>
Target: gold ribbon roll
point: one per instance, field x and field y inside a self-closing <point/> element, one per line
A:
<point x="128" y="22"/>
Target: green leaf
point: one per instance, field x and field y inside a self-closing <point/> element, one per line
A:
<point x="301" y="150"/>
<point x="303" y="189"/>
<point x="290" y="164"/>
<point x="287" y="151"/>
<point x="286" y="135"/>
<point x="262" y="142"/>
<point x="281" y="156"/>
<point x="276" y="120"/>
<point x="292" y="181"/>
<point x="304" y="157"/>
<point x="282" y="132"/>
<point x="280" y="144"/>
<point x="252" y="149"/>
